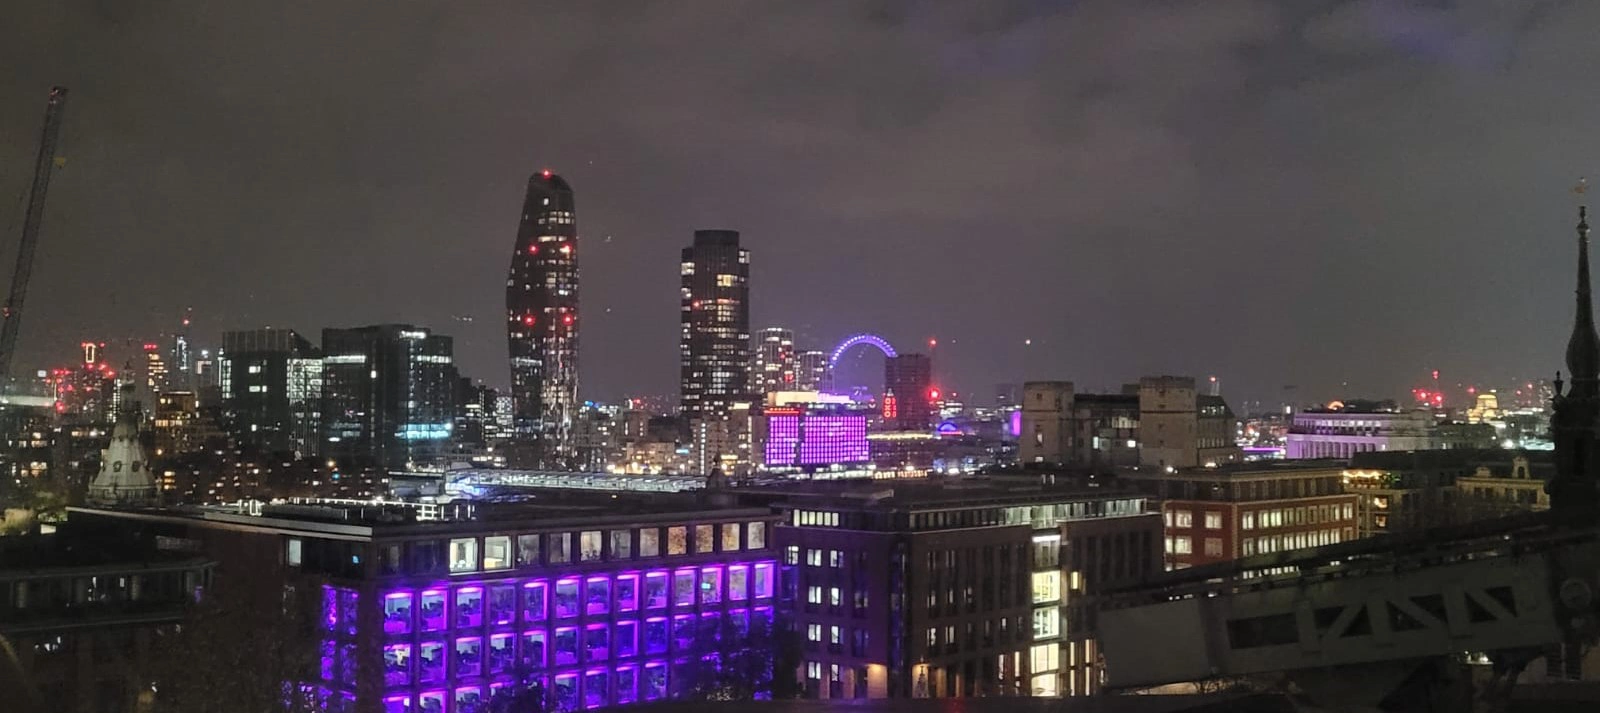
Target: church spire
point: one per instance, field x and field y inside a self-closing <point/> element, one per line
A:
<point x="1583" y="348"/>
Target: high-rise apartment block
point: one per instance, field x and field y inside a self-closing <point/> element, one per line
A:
<point x="542" y="325"/>
<point x="715" y="340"/>
<point x="775" y="364"/>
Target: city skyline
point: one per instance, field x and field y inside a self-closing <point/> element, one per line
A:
<point x="1334" y="126"/>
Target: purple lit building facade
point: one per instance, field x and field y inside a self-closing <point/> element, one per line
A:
<point x="809" y="437"/>
<point x="441" y="617"/>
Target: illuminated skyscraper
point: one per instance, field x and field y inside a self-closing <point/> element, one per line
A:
<point x="811" y="371"/>
<point x="774" y="368"/>
<point x="715" y="341"/>
<point x="542" y="325"/>
<point x="388" y="394"/>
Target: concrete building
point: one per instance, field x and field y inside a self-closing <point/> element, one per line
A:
<point x="1224" y="513"/>
<point x="1343" y="432"/>
<point x="1160" y="422"/>
<point x="968" y="589"/>
<point x="596" y="599"/>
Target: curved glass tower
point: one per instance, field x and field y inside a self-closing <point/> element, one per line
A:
<point x="542" y="326"/>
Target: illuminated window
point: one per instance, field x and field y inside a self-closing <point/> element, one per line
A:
<point x="756" y="533"/>
<point x="1181" y="545"/>
<point x="589" y="545"/>
<point x="464" y="554"/>
<point x="677" y="540"/>
<point x="650" y="542"/>
<point x="1047" y="587"/>
<point x="730" y="537"/>
<point x="683" y="588"/>
<point x="1247" y="521"/>
<point x="1182" y="518"/>
<point x="1213" y="547"/>
<point x="1213" y="520"/>
<point x="497" y="552"/>
<point x="704" y="540"/>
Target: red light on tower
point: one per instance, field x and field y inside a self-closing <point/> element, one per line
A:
<point x="933" y="394"/>
<point x="933" y="343"/>
<point x="533" y="250"/>
<point x="527" y="319"/>
<point x="545" y="173"/>
<point x="567" y="319"/>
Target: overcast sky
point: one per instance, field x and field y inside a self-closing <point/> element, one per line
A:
<point x="1274" y="192"/>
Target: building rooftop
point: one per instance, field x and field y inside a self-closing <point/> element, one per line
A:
<point x="932" y="493"/>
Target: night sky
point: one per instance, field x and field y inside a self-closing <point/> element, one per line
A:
<point x="1277" y="193"/>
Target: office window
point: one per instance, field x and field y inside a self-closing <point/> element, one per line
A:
<point x="834" y="598"/>
<point x="814" y="558"/>
<point x="527" y="550"/>
<point x="677" y="540"/>
<point x="1180" y="546"/>
<point x="293" y="552"/>
<point x="1213" y="547"/>
<point x="683" y="588"/>
<point x="835" y="637"/>
<point x="704" y="540"/>
<point x="813" y="594"/>
<point x="559" y="548"/>
<point x="497" y="552"/>
<point x="1247" y="521"/>
<point x="756" y="534"/>
<point x="1046" y="623"/>
<point x="730" y="537"/>
<point x="464" y="554"/>
<point x="1213" y="520"/>
<point x="1182" y="518"/>
<point x="1249" y="546"/>
<point x="621" y="544"/>
<point x="791" y="554"/>
<point x="650" y="542"/>
<point x="813" y="632"/>
<point x="589" y="545"/>
<point x="835" y="559"/>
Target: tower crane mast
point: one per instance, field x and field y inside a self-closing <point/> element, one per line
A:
<point x="12" y="312"/>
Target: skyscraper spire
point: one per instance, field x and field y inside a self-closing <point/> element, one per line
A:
<point x="1583" y="348"/>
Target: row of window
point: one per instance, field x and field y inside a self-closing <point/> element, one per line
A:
<point x="835" y="639"/>
<point x="970" y="637"/>
<point x="472" y="607"/>
<point x="1302" y="515"/>
<point x="468" y="657"/>
<point x="500" y="552"/>
<point x="1294" y="541"/>
<point x="1277" y="517"/>
<point x="599" y="687"/>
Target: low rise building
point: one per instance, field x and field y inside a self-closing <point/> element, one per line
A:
<point x="1224" y="513"/>
<point x="1162" y="421"/>
<point x="969" y="588"/>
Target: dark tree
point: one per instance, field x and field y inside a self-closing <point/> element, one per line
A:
<point x="742" y="662"/>
<point x="229" y="658"/>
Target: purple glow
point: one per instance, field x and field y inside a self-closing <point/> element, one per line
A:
<point x="816" y="439"/>
<point x="869" y="339"/>
<point x="487" y="647"/>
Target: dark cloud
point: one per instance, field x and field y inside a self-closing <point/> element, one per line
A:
<point x="1307" y="193"/>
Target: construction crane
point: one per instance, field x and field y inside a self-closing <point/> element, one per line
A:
<point x="12" y="313"/>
